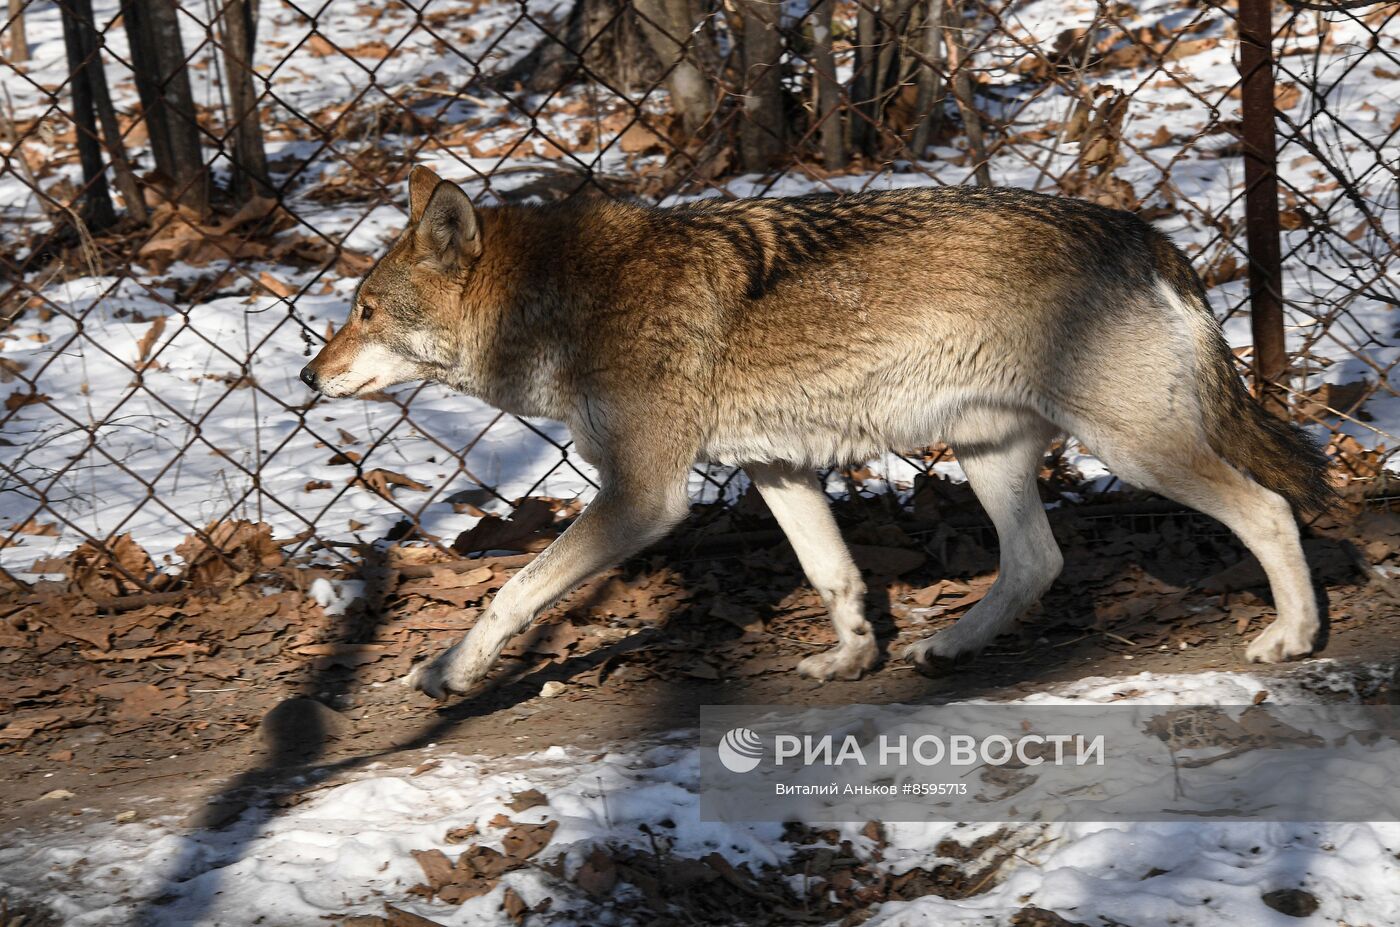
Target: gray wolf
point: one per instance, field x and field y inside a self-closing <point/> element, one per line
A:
<point x="782" y="335"/>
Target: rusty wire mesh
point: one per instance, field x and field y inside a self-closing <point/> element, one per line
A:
<point x="1135" y="105"/>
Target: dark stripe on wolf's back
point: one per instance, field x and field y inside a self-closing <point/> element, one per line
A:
<point x="772" y="237"/>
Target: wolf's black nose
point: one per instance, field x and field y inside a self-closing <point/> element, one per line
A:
<point x="308" y="376"/>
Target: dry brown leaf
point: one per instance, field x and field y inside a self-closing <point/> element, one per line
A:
<point x="234" y="552"/>
<point x="183" y="237"/>
<point x="121" y="569"/>
<point x="12" y="637"/>
<point x="275" y="286"/>
<point x="514" y="906"/>
<point x="380" y="481"/>
<point x="1346" y="398"/>
<point x="461" y="834"/>
<point x="148" y="700"/>
<point x="1224" y="270"/>
<point x="352" y="263"/>
<point x="486" y="862"/>
<point x="135" y="654"/>
<point x="437" y="868"/>
<point x="88" y="628"/>
<point x="637" y="139"/>
<point x="530" y="798"/>
<point x="338" y="650"/>
<point x="255" y="210"/>
<point x="398" y="917"/>
<point x="1286" y="95"/>
<point x="148" y="341"/>
<point x="598" y="874"/>
<point x="36" y="528"/>
<point x="702" y="670"/>
<point x="743" y="617"/>
<point x="20" y="398"/>
<point x="465" y="889"/>
<point x="9" y="369"/>
<point x="525" y="530"/>
<point x="1188" y="47"/>
<point x="23" y="726"/>
<point x="373" y="49"/>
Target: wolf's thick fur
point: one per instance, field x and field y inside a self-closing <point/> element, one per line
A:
<point x="782" y="335"/>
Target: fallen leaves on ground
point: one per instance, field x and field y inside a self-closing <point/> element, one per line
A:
<point x="827" y="879"/>
<point x="478" y="868"/>
<point x="236" y="634"/>
<point x="119" y="567"/>
<point x="229" y="553"/>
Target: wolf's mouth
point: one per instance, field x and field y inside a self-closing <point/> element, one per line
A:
<point x="332" y="391"/>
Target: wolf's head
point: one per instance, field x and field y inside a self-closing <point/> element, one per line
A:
<point x="402" y="325"/>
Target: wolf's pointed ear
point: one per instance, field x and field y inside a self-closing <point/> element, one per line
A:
<point x="421" y="184"/>
<point x="448" y="230"/>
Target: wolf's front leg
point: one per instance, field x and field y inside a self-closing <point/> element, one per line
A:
<point x="796" y="500"/>
<point x="626" y="516"/>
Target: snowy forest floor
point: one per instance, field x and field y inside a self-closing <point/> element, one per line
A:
<point x="166" y="724"/>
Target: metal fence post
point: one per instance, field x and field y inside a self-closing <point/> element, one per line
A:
<point x="1261" y="202"/>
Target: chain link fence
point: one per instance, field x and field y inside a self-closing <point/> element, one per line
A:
<point x="190" y="191"/>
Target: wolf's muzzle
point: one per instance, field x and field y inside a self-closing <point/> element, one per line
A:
<point x="308" y="376"/>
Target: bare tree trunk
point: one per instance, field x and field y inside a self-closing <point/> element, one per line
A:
<point x="84" y="28"/>
<point x="761" y="131"/>
<point x="828" y="89"/>
<point x="890" y="32"/>
<point x="929" y="103"/>
<point x="239" y="30"/>
<point x="670" y="29"/>
<point x="167" y="104"/>
<point x="599" y="39"/>
<point x="83" y="68"/>
<point x="19" y="42"/>
<point x="959" y="62"/>
<point x="863" y="83"/>
<point x="627" y="45"/>
<point x="133" y="198"/>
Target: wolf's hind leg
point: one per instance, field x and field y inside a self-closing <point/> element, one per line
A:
<point x="796" y="500"/>
<point x="1192" y="473"/>
<point x="623" y="518"/>
<point x="1002" y="472"/>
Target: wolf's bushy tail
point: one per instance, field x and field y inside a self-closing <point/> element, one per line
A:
<point x="1280" y="455"/>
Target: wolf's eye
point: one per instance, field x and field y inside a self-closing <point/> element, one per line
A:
<point x="366" y="311"/>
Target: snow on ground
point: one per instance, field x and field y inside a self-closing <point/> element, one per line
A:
<point x="191" y="436"/>
<point x="188" y="442"/>
<point x="346" y="849"/>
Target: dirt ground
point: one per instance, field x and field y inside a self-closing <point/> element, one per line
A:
<point x="116" y="703"/>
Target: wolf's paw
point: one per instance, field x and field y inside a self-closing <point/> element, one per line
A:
<point x="1281" y="642"/>
<point x="441" y="677"/>
<point x="934" y="655"/>
<point x="849" y="661"/>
